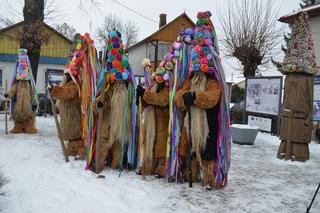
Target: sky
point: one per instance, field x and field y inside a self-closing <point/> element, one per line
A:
<point x="69" y="12"/>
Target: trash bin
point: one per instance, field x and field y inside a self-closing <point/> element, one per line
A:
<point x="244" y="134"/>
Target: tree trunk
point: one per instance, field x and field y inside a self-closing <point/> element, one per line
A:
<point x="33" y="13"/>
<point x="249" y="70"/>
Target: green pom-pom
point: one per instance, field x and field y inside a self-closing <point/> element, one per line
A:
<point x="110" y="47"/>
<point x="121" y="51"/>
<point x="201" y="22"/>
<point x="124" y="63"/>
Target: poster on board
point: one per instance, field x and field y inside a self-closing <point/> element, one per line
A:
<point x="55" y="78"/>
<point x="263" y="95"/>
<point x="316" y="99"/>
<point x="264" y="124"/>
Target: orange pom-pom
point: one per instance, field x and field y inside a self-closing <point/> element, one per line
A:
<point x="116" y="64"/>
<point x="204" y="68"/>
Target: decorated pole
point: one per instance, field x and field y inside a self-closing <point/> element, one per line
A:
<point x="6" y="107"/>
<point x="64" y="151"/>
<point x="189" y="148"/>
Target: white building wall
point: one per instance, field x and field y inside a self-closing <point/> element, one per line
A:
<point x="315" y="30"/>
<point x="136" y="56"/>
<point x="8" y="69"/>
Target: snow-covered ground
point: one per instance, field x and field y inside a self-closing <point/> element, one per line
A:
<point x="40" y="181"/>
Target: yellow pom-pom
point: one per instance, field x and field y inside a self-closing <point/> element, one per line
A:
<point x="146" y="62"/>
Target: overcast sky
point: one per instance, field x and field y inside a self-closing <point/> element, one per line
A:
<point x="68" y="11"/>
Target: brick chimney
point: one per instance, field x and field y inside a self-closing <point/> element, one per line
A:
<point x="162" y="20"/>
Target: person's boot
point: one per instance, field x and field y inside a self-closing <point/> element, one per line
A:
<point x="208" y="174"/>
<point x="103" y="154"/>
<point x="17" y="128"/>
<point x="116" y="156"/>
<point x="30" y="126"/>
<point x="160" y="170"/>
<point x="82" y="150"/>
<point x="72" y="147"/>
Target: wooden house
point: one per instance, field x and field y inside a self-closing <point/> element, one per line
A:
<point x="53" y="55"/>
<point x="155" y="46"/>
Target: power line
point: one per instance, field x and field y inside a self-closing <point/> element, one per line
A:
<point x="134" y="11"/>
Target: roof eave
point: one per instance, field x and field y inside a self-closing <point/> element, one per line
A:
<point x="315" y="12"/>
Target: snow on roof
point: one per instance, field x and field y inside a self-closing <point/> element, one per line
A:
<point x="313" y="11"/>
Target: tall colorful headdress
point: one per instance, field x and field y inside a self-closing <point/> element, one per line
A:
<point x="204" y="38"/>
<point x="117" y="62"/>
<point x="23" y="67"/>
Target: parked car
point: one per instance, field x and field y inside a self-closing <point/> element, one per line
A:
<point x="236" y="113"/>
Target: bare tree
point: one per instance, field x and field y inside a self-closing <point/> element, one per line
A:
<point x="250" y="33"/>
<point x="129" y="30"/>
<point x="65" y="29"/>
<point x="34" y="33"/>
<point x="130" y="34"/>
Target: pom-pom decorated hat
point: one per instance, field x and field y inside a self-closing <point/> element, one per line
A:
<point x="74" y="65"/>
<point x="204" y="39"/>
<point x="117" y="63"/>
<point x="165" y="70"/>
<point x="23" y="67"/>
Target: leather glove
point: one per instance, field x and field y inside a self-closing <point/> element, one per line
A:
<point x="99" y="104"/>
<point x="34" y="107"/>
<point x="160" y="87"/>
<point x="189" y="98"/>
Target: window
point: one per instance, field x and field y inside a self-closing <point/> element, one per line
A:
<point x="163" y="48"/>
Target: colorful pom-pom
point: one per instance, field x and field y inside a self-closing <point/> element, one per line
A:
<point x="169" y="65"/>
<point x="118" y="75"/>
<point x="204" y="68"/>
<point x="112" y="76"/>
<point x="124" y="76"/>
<point x="124" y="62"/>
<point x="159" y="79"/>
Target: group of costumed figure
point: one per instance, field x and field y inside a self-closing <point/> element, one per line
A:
<point x="175" y="127"/>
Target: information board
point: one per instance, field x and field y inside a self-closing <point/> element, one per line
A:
<point x="263" y="95"/>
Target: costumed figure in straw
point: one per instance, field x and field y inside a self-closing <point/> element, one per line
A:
<point x="69" y="104"/>
<point x="118" y="128"/>
<point x="24" y="97"/>
<point x="155" y="102"/>
<point x="206" y="97"/>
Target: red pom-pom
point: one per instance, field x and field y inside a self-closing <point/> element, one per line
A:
<point x="114" y="51"/>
